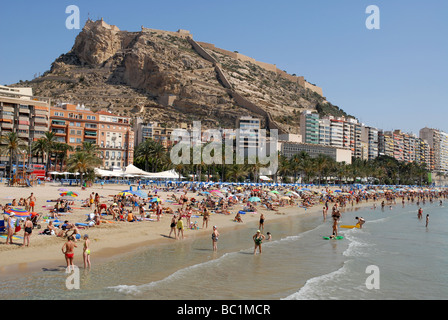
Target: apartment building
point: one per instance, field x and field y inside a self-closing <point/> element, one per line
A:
<point x="247" y="141"/>
<point x="74" y="125"/>
<point x="23" y="113"/>
<point x="156" y="131"/>
<point x="309" y="127"/>
<point x="438" y="142"/>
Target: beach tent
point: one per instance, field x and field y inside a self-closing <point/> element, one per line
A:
<point x="107" y="173"/>
<point x="171" y="174"/>
<point x="133" y="170"/>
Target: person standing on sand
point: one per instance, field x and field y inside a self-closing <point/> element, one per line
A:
<point x="68" y="249"/>
<point x="28" y="230"/>
<point x="10" y="227"/>
<point x="205" y="218"/>
<point x="173" y="227"/>
<point x="261" y="225"/>
<point x="180" y="227"/>
<point x="32" y="202"/>
<point x="215" y="236"/>
<point x="86" y="252"/>
<point x="158" y="211"/>
<point x="258" y="240"/>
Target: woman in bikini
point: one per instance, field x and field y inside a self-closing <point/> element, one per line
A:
<point x="206" y="218"/>
<point x="86" y="251"/>
<point x="68" y="249"/>
<point x="28" y="230"/>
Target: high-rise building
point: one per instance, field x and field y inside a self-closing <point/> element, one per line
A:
<point x="309" y="127"/>
<point x="438" y="142"/>
<point x="247" y="141"/>
<point x="369" y="137"/>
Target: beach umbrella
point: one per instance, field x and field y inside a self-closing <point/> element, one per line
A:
<point x="70" y="194"/>
<point x="274" y="191"/>
<point x="156" y="200"/>
<point x="18" y="212"/>
<point x="140" y="193"/>
<point x="254" y="199"/>
<point x="69" y="198"/>
<point x="126" y="193"/>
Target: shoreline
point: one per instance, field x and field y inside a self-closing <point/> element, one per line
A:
<point x="111" y="241"/>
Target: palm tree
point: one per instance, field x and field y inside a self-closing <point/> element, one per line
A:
<point x="61" y="150"/>
<point x="82" y="163"/>
<point x="12" y="146"/>
<point x="89" y="148"/>
<point x="48" y="140"/>
<point x="235" y="172"/>
<point x="322" y="163"/>
<point x="39" y="148"/>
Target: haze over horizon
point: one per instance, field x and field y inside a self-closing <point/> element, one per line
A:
<point x="391" y="78"/>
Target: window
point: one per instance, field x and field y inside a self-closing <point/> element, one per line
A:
<point x="72" y="140"/>
<point x="78" y="140"/>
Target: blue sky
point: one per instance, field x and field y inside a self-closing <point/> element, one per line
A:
<point x="392" y="78"/>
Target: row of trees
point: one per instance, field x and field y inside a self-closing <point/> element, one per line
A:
<point x="152" y="156"/>
<point x="83" y="160"/>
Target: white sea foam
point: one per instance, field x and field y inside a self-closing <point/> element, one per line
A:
<point x="318" y="287"/>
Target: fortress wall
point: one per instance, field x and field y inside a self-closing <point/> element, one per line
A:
<point x="314" y="88"/>
<point x="204" y="54"/>
<point x="223" y="77"/>
<point x="181" y="33"/>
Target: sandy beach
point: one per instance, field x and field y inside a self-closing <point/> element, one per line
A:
<point x="111" y="239"/>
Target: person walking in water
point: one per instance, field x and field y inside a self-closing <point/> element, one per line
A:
<point x="427" y="220"/>
<point x="258" y="240"/>
<point x="68" y="249"/>
<point x="215" y="236"/>
<point x="86" y="252"/>
<point x="420" y="214"/>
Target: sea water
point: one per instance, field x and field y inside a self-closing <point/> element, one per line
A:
<point x="408" y="259"/>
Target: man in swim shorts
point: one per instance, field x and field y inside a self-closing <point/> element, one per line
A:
<point x="32" y="201"/>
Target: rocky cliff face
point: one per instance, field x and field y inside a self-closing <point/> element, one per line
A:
<point x="133" y="73"/>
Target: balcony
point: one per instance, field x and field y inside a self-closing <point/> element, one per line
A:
<point x="7" y="126"/>
<point x="56" y="123"/>
<point x="59" y="132"/>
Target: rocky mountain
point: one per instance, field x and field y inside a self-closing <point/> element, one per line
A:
<point x="167" y="77"/>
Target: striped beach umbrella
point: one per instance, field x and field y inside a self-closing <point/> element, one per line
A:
<point x="18" y="212"/>
<point x="69" y="193"/>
